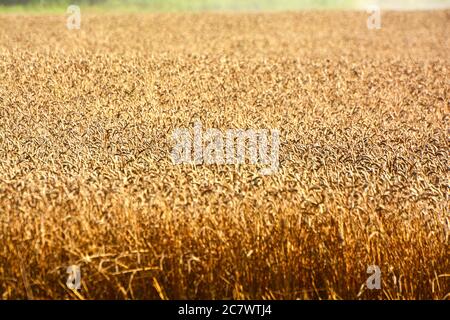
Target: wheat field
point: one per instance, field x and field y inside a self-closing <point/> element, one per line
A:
<point x="86" y="177"/>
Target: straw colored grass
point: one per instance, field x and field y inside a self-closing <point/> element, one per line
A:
<point x="86" y="177"/>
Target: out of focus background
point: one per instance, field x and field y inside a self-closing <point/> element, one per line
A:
<point x="219" y="5"/>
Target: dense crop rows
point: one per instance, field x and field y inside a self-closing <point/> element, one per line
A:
<point x="86" y="178"/>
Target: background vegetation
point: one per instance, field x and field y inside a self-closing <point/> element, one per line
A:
<point x="196" y="5"/>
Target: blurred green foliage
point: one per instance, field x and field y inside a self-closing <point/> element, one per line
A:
<point x="199" y="5"/>
<point x="176" y="5"/>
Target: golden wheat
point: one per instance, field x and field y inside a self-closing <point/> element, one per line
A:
<point x="86" y="177"/>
